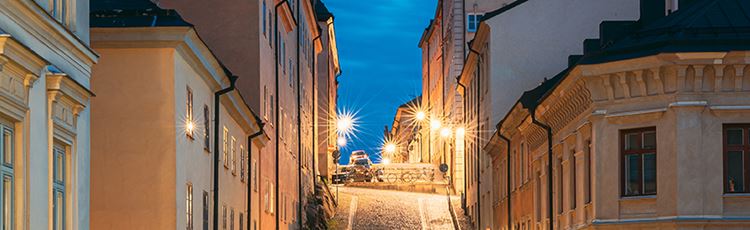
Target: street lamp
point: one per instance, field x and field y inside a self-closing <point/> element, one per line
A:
<point x="344" y="124"/>
<point x="420" y="115"/>
<point x="390" y="148"/>
<point x="445" y="132"/>
<point x="435" y="124"/>
<point x="341" y="141"/>
<point x="460" y="131"/>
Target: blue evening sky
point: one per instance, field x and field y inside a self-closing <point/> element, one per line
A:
<point x="381" y="63"/>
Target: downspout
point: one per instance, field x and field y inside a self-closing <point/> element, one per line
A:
<point x="507" y="142"/>
<point x="276" y="91"/>
<point x="429" y="103"/>
<point x="549" y="163"/>
<point x="300" y="190"/>
<point x="458" y="82"/>
<point x="217" y="118"/>
<point x="315" y="111"/>
<point x="442" y="73"/>
<point x="479" y="181"/>
<point x="250" y="170"/>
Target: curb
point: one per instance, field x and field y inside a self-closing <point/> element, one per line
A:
<point x="456" y="226"/>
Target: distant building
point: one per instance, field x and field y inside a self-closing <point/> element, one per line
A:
<point x="649" y="128"/>
<point x="45" y="110"/>
<point x="153" y="127"/>
<point x="326" y="75"/>
<point x="404" y="134"/>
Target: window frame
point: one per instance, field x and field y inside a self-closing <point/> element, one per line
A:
<point x="7" y="172"/>
<point x="59" y="186"/>
<point x="206" y="202"/>
<point x="189" y="206"/>
<point x="744" y="148"/>
<point x="624" y="152"/>
<point x="206" y="128"/>
<point x="189" y="112"/>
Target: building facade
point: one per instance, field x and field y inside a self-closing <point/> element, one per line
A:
<point x="646" y="130"/>
<point x="403" y="134"/>
<point x="45" y="91"/>
<point x="505" y="57"/>
<point x="327" y="72"/>
<point x="156" y="168"/>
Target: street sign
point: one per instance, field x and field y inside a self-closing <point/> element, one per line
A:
<point x="443" y="168"/>
<point x="336" y="156"/>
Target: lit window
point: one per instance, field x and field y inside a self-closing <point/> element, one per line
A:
<point x="242" y="163"/>
<point x="6" y="169"/>
<point x="472" y="22"/>
<point x="254" y="177"/>
<point x="189" y="122"/>
<point x="639" y="162"/>
<point x="736" y="158"/>
<point x="189" y="207"/>
<point x="58" y="188"/>
<point x="231" y="219"/>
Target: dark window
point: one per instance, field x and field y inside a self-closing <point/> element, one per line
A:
<point x="205" y="210"/>
<point x="639" y="162"/>
<point x="206" y="127"/>
<point x="472" y="22"/>
<point x="736" y="160"/>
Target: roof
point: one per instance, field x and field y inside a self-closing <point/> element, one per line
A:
<point x="501" y="10"/>
<point x="132" y="13"/>
<point x="413" y="102"/>
<point x="706" y="25"/>
<point x="531" y="98"/>
<point x="321" y="11"/>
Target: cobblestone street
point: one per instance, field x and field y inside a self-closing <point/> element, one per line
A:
<point x="361" y="208"/>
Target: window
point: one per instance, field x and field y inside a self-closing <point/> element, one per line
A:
<point x="58" y="187"/>
<point x="205" y="210"/>
<point x="587" y="158"/>
<point x="523" y="164"/>
<point x="206" y="128"/>
<point x="60" y="10"/>
<point x="239" y="217"/>
<point x="639" y="162"/>
<point x="736" y="158"/>
<point x="472" y="22"/>
<point x="263" y="12"/>
<point x="189" y="113"/>
<point x="573" y="179"/>
<point x="231" y="219"/>
<point x="242" y="163"/>
<point x="189" y="207"/>
<point x="6" y="169"/>
<point x="254" y="177"/>
<point x="233" y="161"/>
<point x="225" y="146"/>
<point x="559" y="177"/>
<point x="265" y="103"/>
<point x="224" y="217"/>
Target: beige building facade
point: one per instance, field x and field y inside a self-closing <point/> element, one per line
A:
<point x="327" y="71"/>
<point x="45" y="109"/>
<point x="646" y="132"/>
<point x="155" y="169"/>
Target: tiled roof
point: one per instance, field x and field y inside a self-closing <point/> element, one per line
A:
<point x="132" y="13"/>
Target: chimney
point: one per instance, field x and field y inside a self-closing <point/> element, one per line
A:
<point x="573" y="59"/>
<point x="591" y="46"/>
<point x="610" y="31"/>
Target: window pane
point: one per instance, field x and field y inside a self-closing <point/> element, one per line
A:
<point x="649" y="173"/>
<point x="649" y="140"/>
<point x="59" y="207"/>
<point x="7" y="147"/>
<point x="734" y="136"/>
<point x="632" y="175"/>
<point x="735" y="178"/>
<point x="59" y="168"/>
<point x="631" y="141"/>
<point x="7" y="203"/>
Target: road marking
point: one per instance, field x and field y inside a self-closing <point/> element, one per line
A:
<point x="352" y="211"/>
<point x="421" y="214"/>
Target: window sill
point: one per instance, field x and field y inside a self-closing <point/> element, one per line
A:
<point x="644" y="197"/>
<point x="736" y="195"/>
<point x="207" y="149"/>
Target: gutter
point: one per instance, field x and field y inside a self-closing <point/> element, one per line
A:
<point x="458" y="82"/>
<point x="250" y="171"/>
<point x="314" y="111"/>
<point x="217" y="118"/>
<point x="276" y="118"/>
<point x="300" y="190"/>
<point x="479" y="181"/>
<point x="549" y="165"/>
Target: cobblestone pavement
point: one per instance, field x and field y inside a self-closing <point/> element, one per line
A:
<point x="384" y="209"/>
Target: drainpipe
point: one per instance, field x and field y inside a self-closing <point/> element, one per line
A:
<point x="250" y="169"/>
<point x="479" y="181"/>
<point x="300" y="190"/>
<point x="315" y="111"/>
<point x="507" y="142"/>
<point x="549" y="164"/>
<point x="278" y="95"/>
<point x="458" y="82"/>
<point x="217" y="118"/>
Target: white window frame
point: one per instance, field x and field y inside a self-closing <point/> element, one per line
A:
<point x="225" y="146"/>
<point x="189" y="206"/>
<point x="7" y="196"/>
<point x="477" y="19"/>
<point x="59" y="179"/>
<point x="233" y="159"/>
